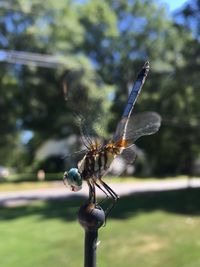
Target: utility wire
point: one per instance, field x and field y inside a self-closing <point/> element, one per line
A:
<point x="31" y="59"/>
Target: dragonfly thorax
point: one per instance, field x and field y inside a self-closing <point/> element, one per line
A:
<point x="113" y="149"/>
<point x="96" y="163"/>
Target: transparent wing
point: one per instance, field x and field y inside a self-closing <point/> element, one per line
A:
<point x="75" y="154"/>
<point x="73" y="158"/>
<point x="142" y="124"/>
<point x="84" y="131"/>
<point x="86" y="103"/>
<point x="122" y="161"/>
<point x="92" y="130"/>
<point x="129" y="154"/>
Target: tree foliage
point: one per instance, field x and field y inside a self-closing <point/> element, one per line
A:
<point x="100" y="45"/>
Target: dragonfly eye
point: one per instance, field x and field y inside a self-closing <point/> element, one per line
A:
<point x="73" y="180"/>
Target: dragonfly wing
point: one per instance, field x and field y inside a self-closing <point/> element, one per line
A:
<point x="142" y="124"/>
<point x="92" y="130"/>
<point x="84" y="131"/>
<point x="129" y="154"/>
<point x="75" y="154"/>
<point x="73" y="158"/>
<point x="122" y="161"/>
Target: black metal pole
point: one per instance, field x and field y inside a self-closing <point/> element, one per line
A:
<point x="91" y="217"/>
<point x="90" y="248"/>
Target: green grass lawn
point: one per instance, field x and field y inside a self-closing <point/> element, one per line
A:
<point x="148" y="229"/>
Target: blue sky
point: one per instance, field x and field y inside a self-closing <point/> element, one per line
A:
<point x="173" y="4"/>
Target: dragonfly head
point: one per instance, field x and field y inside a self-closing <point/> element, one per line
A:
<point x="73" y="180"/>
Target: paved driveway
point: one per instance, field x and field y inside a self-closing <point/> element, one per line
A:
<point x="21" y="197"/>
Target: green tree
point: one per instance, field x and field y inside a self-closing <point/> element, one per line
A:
<point x="38" y="104"/>
<point x="145" y="32"/>
<point x="100" y="45"/>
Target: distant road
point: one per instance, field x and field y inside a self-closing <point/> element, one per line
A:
<point x="21" y="197"/>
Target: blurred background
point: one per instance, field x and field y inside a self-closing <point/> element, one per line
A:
<point x="94" y="50"/>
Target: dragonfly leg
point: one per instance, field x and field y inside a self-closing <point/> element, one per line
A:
<point x="109" y="190"/>
<point x="92" y="193"/>
<point x="113" y="195"/>
<point x="104" y="191"/>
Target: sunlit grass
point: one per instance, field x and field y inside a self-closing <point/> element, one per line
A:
<point x="150" y="229"/>
<point x="27" y="186"/>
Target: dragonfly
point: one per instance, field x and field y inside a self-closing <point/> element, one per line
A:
<point x="98" y="156"/>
